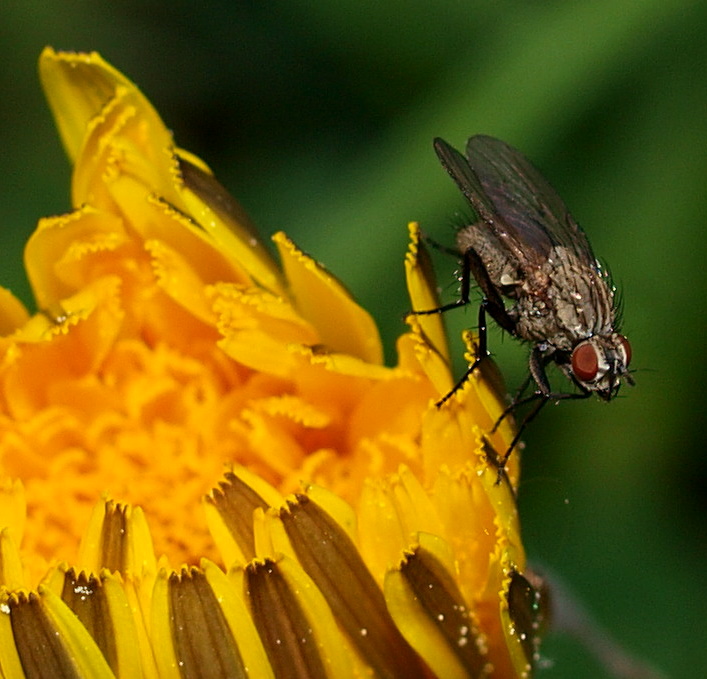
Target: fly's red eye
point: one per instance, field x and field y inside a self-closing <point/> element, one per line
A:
<point x="627" y="349"/>
<point x="585" y="363"/>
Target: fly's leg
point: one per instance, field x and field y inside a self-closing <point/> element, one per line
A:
<point x="515" y="402"/>
<point x="481" y="353"/>
<point x="542" y="395"/>
<point x="541" y="401"/>
<point x="464" y="291"/>
<point x="492" y="303"/>
<point x="495" y="307"/>
<point x="537" y="374"/>
<point x="494" y="459"/>
<point x="453" y="252"/>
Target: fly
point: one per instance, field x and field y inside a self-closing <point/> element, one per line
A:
<point x="525" y="248"/>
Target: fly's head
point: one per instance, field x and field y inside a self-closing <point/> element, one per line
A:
<point x="599" y="364"/>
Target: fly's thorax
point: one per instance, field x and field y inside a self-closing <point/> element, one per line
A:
<point x="471" y="236"/>
<point x="567" y="301"/>
<point x="502" y="270"/>
<point x="585" y="297"/>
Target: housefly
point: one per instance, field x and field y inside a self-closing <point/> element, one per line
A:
<point x="537" y="273"/>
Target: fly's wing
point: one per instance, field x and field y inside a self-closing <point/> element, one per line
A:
<point x="527" y="247"/>
<point x="534" y="215"/>
<point x="460" y="171"/>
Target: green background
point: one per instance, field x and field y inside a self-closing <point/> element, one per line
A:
<point x="319" y="117"/>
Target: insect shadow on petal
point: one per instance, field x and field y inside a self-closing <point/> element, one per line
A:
<point x="538" y="276"/>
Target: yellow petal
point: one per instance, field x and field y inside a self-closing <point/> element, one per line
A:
<point x="327" y="554"/>
<point x="50" y="640"/>
<point x="10" y="662"/>
<point x="431" y="613"/>
<point x="450" y="432"/>
<point x="109" y="129"/>
<point x="503" y="502"/>
<point x="341" y="512"/>
<point x="230" y="508"/>
<point x="117" y="539"/>
<point x="469" y="526"/>
<point x="239" y="621"/>
<point x="295" y="624"/>
<point x="60" y="256"/>
<point x="226" y="222"/>
<point x="258" y="328"/>
<point x="176" y="276"/>
<point x="210" y="248"/>
<point x="78" y="87"/>
<point x="191" y="632"/>
<point x="13" y="508"/>
<point x="13" y="313"/>
<point x="415" y="347"/>
<point x="422" y="288"/>
<point x="101" y="604"/>
<point x="488" y="387"/>
<point x="11" y="571"/>
<point x="459" y="430"/>
<point x="52" y="350"/>
<point x="413" y="505"/>
<point x="138" y="591"/>
<point x="161" y="628"/>
<point x="383" y="537"/>
<point x="391" y="515"/>
<point x="344" y="326"/>
<point x="523" y="610"/>
<point x="123" y="152"/>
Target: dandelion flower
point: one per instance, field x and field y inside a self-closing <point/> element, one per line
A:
<point x="207" y="470"/>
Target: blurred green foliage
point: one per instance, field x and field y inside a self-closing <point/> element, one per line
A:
<point x="319" y="118"/>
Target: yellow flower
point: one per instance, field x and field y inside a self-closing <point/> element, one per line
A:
<point x="206" y="467"/>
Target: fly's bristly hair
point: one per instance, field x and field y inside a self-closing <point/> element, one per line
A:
<point x="617" y="291"/>
<point x="461" y="219"/>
